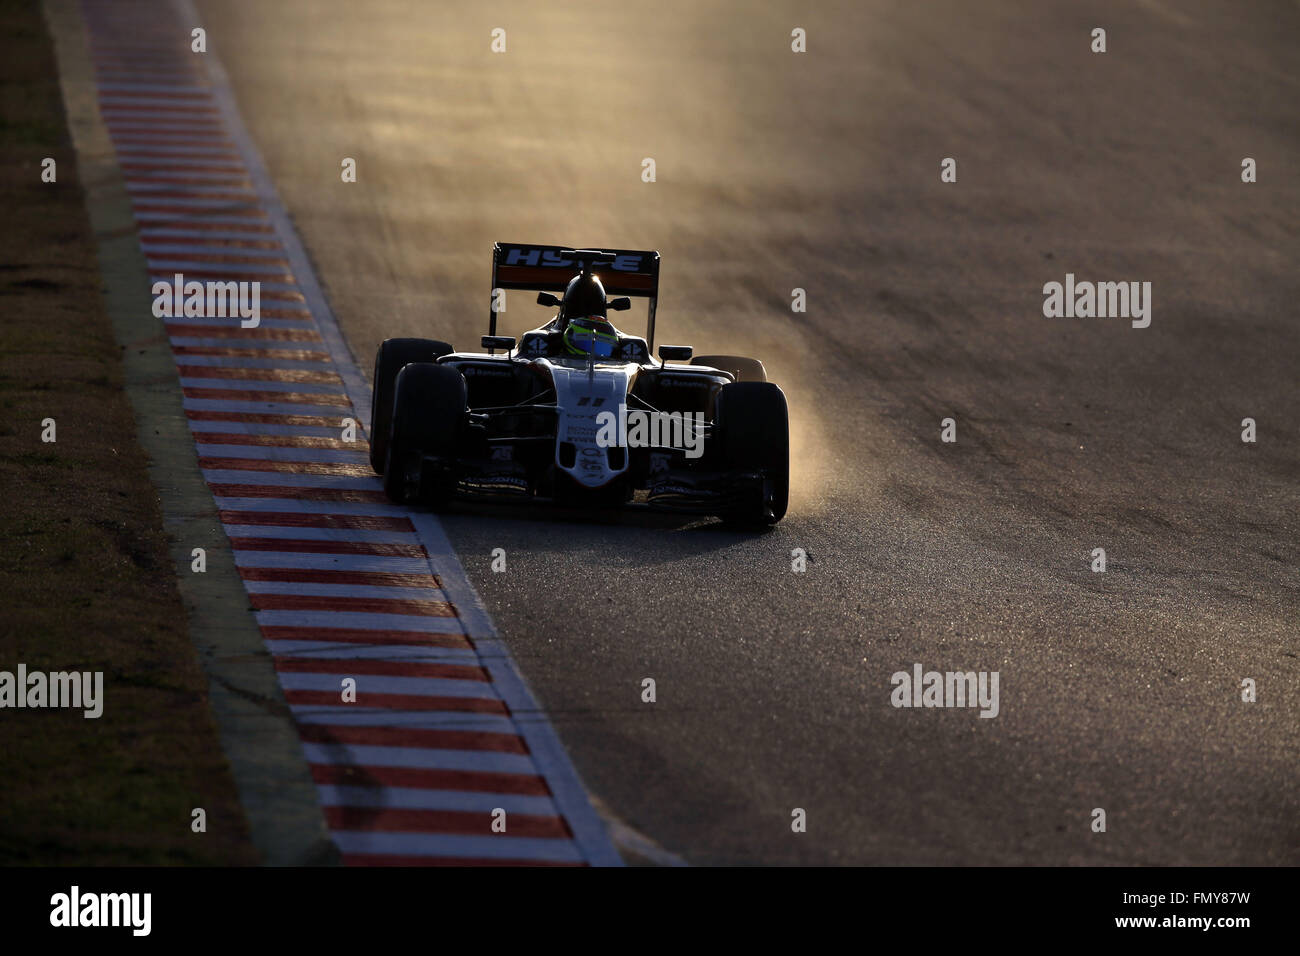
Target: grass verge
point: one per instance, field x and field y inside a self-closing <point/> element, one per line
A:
<point x="83" y="554"/>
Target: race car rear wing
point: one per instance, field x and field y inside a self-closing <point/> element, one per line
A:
<point x="549" y="269"/>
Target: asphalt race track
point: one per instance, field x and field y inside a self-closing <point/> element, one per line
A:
<point x="821" y="171"/>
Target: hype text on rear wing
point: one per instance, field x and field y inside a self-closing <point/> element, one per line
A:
<point x="549" y="268"/>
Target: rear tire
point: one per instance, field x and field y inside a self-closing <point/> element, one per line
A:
<point x="754" y="428"/>
<point x="392" y="356"/>
<point x="742" y="369"/>
<point x="429" y="406"/>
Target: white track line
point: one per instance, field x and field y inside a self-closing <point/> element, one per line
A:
<point x="501" y="847"/>
<point x="405" y="798"/>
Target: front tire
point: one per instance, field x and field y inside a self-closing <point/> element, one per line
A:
<point x="754" y="427"/>
<point x="392" y="357"/>
<point x="429" y="405"/>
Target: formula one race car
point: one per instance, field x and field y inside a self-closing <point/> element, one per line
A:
<point x="580" y="412"/>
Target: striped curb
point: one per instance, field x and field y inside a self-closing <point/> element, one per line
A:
<point x="342" y="583"/>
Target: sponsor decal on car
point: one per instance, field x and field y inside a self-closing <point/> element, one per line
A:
<point x="484" y="371"/>
<point x="549" y="258"/>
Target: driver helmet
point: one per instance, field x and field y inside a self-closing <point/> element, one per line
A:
<point x="584" y="296"/>
<point x="590" y="335"/>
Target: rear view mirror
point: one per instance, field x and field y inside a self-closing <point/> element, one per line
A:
<point x="491" y="342"/>
<point x="547" y="298"/>
<point x="675" y="353"/>
<point x="621" y="304"/>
